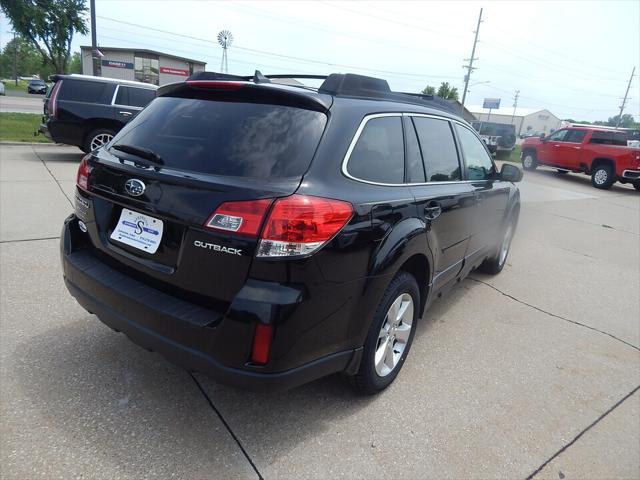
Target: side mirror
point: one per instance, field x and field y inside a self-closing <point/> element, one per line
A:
<point x="510" y="173"/>
<point x="542" y="137"/>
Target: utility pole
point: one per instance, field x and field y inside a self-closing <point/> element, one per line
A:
<point x="624" y="101"/>
<point x="469" y="67"/>
<point x="95" y="58"/>
<point x="515" y="105"/>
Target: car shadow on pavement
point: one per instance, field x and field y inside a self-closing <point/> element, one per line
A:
<point x="59" y="157"/>
<point x="96" y="389"/>
<point x="582" y="180"/>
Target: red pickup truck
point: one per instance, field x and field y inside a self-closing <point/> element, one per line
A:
<point x="601" y="153"/>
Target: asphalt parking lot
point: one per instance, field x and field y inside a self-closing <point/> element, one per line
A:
<point x="21" y="102"/>
<point x="535" y="370"/>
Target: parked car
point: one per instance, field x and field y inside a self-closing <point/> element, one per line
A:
<point x="633" y="136"/>
<point x="88" y="111"/>
<point x="2" y="90"/>
<point x="37" y="86"/>
<point x="268" y="235"/>
<point x="500" y="138"/>
<point x="601" y="153"/>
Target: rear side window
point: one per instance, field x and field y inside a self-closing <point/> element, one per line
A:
<point x="86" y="91"/>
<point x="227" y="138"/>
<point x="134" y="97"/>
<point x="438" y="149"/>
<point x="378" y="155"/>
<point x="609" y="138"/>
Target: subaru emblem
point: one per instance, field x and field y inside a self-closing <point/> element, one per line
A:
<point x="134" y="187"/>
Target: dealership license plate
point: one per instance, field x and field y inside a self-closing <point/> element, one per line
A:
<point x="138" y="230"/>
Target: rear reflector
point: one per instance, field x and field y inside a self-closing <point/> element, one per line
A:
<point x="84" y="172"/>
<point x="300" y="225"/>
<point x="262" y="343"/>
<point x="243" y="218"/>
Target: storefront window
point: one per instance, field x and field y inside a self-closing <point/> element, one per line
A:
<point x="147" y="68"/>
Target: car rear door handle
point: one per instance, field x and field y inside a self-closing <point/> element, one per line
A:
<point x="126" y="114"/>
<point x="432" y="210"/>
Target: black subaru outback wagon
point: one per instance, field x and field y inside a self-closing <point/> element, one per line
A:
<point x="268" y="235"/>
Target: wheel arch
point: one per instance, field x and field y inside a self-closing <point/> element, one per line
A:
<point x="596" y="162"/>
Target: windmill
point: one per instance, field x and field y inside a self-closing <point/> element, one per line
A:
<point x="225" y="39"/>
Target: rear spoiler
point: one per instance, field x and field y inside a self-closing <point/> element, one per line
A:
<point x="256" y="88"/>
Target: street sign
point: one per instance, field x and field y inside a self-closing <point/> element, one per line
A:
<point x="491" y="103"/>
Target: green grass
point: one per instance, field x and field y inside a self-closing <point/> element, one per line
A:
<point x="514" y="157"/>
<point x="11" y="85"/>
<point x="19" y="127"/>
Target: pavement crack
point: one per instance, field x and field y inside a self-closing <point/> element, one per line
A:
<point x="227" y="426"/>
<point x="29" y="239"/>
<point x="581" y="221"/>
<point x="553" y="314"/>
<point x="575" y="439"/>
<point x="52" y="176"/>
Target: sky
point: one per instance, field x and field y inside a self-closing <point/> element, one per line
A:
<point x="572" y="58"/>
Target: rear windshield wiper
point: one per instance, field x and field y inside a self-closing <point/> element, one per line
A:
<point x="141" y="152"/>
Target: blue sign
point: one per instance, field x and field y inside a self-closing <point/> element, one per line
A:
<point x="117" y="64"/>
<point x="491" y="103"/>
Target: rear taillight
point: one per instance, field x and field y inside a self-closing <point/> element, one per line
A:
<point x="53" y="99"/>
<point x="262" y="343"/>
<point x="84" y="172"/>
<point x="300" y="225"/>
<point x="296" y="225"/>
<point x="243" y="218"/>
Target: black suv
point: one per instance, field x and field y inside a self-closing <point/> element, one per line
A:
<point x="500" y="138"/>
<point x="37" y="86"/>
<point x="268" y="235"/>
<point x="88" y="111"/>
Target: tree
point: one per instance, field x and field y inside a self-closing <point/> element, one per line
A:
<point x="626" y="122"/>
<point x="48" y="25"/>
<point x="447" y="92"/>
<point x="75" y="63"/>
<point x="429" y="90"/>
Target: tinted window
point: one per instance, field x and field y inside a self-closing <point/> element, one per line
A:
<point x="609" y="138"/>
<point x="135" y="97"/>
<point x="478" y="162"/>
<point x="227" y="138"/>
<point x="558" y="136"/>
<point x="438" y="149"/>
<point x="85" y="91"/>
<point x="378" y="155"/>
<point x="575" y="136"/>
<point x="415" y="167"/>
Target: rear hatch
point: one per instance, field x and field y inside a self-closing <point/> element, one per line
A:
<point x="195" y="150"/>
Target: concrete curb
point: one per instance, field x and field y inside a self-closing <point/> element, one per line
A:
<point x="27" y="144"/>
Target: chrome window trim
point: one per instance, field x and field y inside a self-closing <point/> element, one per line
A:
<point x="115" y="94"/>
<point x="363" y="123"/>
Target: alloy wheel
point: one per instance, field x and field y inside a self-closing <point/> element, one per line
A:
<point x="100" y="140"/>
<point x="394" y="335"/>
<point x="601" y="176"/>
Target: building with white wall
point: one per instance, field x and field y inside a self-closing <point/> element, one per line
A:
<point x="140" y="65"/>
<point x="532" y="120"/>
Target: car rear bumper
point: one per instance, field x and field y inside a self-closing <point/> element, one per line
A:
<point x="180" y="331"/>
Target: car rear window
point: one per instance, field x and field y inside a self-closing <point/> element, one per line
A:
<point x="86" y="91"/>
<point x="227" y="138"/>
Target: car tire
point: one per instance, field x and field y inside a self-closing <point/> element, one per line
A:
<point x="96" y="138"/>
<point x="384" y="352"/>
<point x="636" y="185"/>
<point x="498" y="260"/>
<point x="603" y="176"/>
<point x="529" y="161"/>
